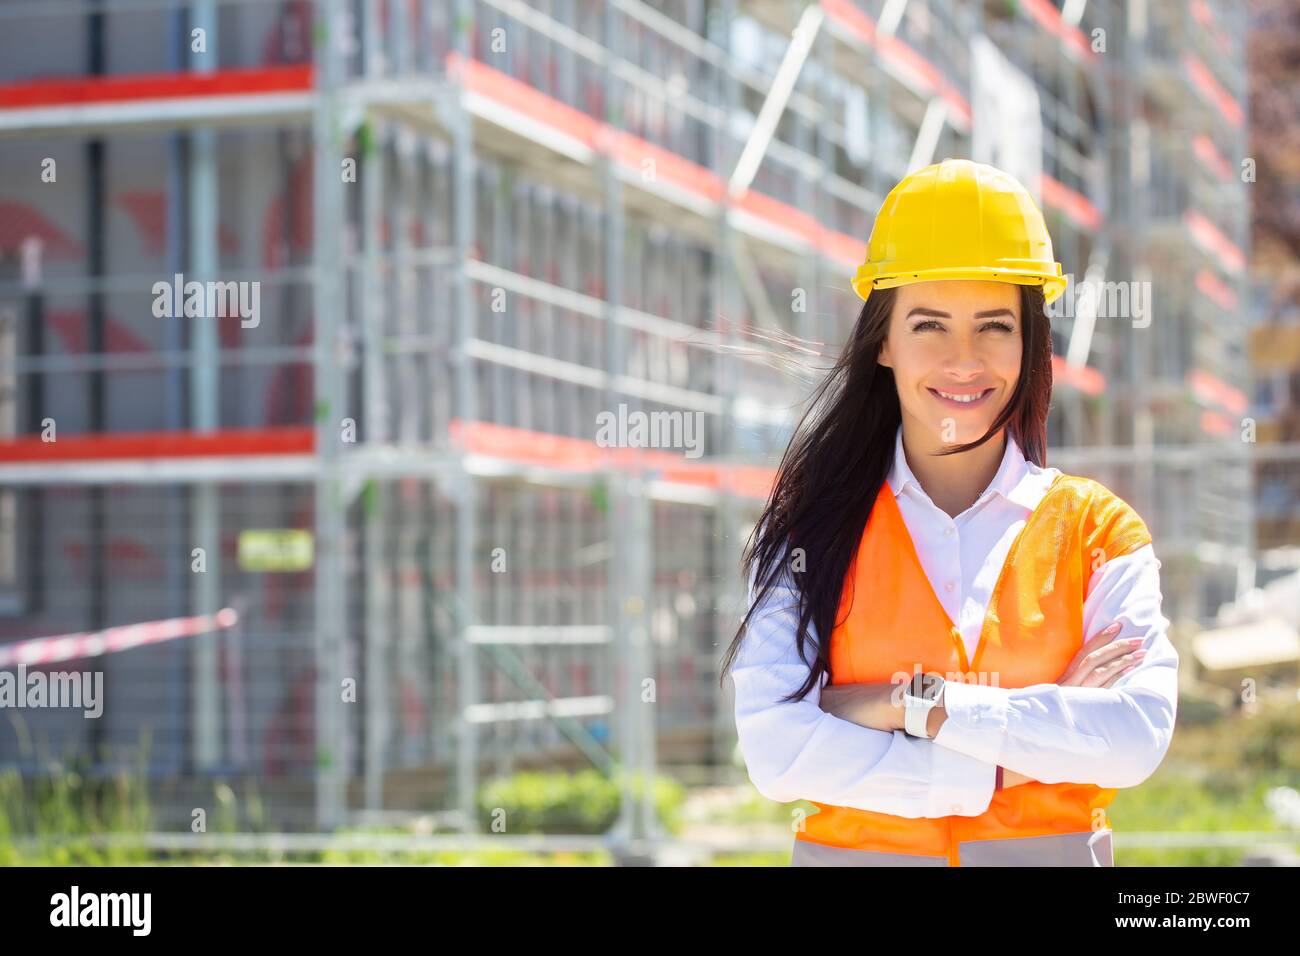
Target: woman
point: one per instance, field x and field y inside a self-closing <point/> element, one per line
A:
<point x="956" y="715"/>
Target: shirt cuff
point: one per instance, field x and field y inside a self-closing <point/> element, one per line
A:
<point x="977" y="720"/>
<point x="959" y="785"/>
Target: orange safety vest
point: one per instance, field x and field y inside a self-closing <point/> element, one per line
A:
<point x="891" y="624"/>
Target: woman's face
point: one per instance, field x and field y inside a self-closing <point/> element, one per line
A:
<point x="960" y="337"/>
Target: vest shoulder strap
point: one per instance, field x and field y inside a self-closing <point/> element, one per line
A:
<point x="1108" y="523"/>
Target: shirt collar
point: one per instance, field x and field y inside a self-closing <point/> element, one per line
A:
<point x="1017" y="479"/>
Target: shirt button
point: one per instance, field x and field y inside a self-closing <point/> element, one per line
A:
<point x="950" y="585"/>
<point x="955" y="808"/>
<point x="948" y="532"/>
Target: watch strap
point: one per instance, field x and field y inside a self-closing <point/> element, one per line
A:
<point x="916" y="715"/>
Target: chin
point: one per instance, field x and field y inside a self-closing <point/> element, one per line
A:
<point x="964" y="432"/>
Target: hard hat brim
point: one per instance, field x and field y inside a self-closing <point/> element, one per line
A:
<point x="1053" y="285"/>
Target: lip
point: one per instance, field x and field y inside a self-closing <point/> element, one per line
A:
<point x="988" y="392"/>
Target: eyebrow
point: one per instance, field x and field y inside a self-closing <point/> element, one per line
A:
<point x="989" y="313"/>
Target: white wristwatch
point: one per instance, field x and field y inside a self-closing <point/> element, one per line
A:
<point x="923" y="694"/>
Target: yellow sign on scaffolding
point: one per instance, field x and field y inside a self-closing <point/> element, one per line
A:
<point x="276" y="550"/>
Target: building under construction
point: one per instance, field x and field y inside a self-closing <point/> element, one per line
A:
<point x="432" y="242"/>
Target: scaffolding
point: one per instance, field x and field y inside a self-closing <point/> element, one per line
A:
<point x="479" y="225"/>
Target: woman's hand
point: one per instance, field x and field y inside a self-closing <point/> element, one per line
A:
<point x="867" y="705"/>
<point x="1099" y="663"/>
<point x="1102" y="660"/>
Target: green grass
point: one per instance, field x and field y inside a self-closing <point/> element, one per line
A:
<point x="466" y="858"/>
<point x="67" y="805"/>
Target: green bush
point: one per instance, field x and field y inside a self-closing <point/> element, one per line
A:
<point x="1198" y="709"/>
<point x="570" y="803"/>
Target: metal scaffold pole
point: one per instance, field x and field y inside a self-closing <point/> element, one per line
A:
<point x="621" y="581"/>
<point x="727" y="312"/>
<point x="465" y="494"/>
<point x="331" y="409"/>
<point x="639" y="531"/>
<point x="375" y="431"/>
<point x="205" y="409"/>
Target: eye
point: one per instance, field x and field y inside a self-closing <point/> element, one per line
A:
<point x="1001" y="326"/>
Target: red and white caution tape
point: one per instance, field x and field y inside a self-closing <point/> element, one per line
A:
<point x="67" y="647"/>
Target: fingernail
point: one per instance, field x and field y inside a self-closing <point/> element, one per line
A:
<point x="1112" y="628"/>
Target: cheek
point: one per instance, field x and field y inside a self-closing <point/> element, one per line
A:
<point x="998" y="351"/>
<point x="916" y="357"/>
<point x="1005" y="357"/>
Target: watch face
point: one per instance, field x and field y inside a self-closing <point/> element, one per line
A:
<point x="926" y="686"/>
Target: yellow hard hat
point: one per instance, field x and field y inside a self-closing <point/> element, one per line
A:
<point x="959" y="220"/>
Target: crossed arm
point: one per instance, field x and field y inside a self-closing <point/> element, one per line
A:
<point x="1113" y="737"/>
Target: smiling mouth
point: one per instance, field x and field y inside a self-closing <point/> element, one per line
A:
<point x="962" y="401"/>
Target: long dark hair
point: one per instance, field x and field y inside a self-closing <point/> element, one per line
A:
<point x="841" y="454"/>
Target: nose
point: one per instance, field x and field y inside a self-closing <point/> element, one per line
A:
<point x="964" y="366"/>
<point x="962" y="359"/>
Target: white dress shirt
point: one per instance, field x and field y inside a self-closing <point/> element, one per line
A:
<point x="1111" y="737"/>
